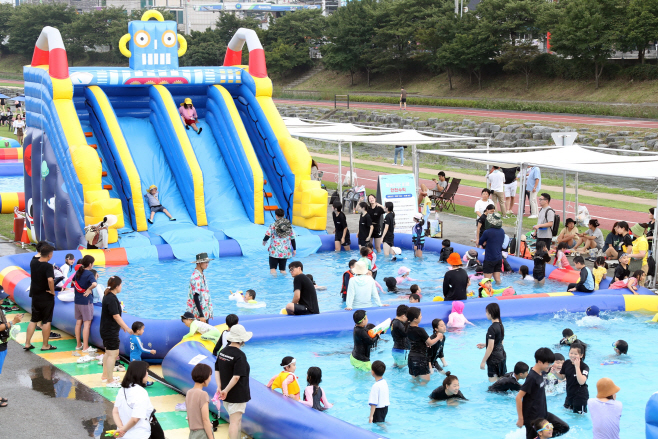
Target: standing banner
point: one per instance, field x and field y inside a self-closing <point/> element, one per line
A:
<point x="400" y="190"/>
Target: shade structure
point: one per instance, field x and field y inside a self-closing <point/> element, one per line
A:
<point x="19" y="98"/>
<point x="2" y="96"/>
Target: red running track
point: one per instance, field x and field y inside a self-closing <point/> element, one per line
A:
<point x="609" y="121"/>
<point x="467" y="196"/>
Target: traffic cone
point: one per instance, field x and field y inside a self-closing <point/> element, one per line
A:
<point x="24" y="238"/>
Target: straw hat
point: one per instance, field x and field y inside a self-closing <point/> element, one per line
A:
<point x="637" y="230"/>
<point x="360" y="268"/>
<point x="454" y="259"/>
<point x="238" y="334"/>
<point x="606" y="387"/>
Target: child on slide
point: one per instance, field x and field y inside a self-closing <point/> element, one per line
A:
<point x="188" y="115"/>
<point x="154" y="204"/>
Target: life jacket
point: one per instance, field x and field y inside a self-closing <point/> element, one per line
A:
<point x="293" y="388"/>
<point x="524" y="251"/>
<point x="371" y="257"/>
<point x="343" y="289"/>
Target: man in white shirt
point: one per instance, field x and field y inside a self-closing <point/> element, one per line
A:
<point x="496" y="180"/>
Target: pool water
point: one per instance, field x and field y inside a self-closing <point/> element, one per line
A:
<point x="484" y="415"/>
<point x="12" y="184"/>
<point x="160" y="290"/>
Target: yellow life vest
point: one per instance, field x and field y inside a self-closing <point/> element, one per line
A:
<point x="293" y="388"/>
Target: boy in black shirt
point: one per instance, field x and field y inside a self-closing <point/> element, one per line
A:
<point x="42" y="292"/>
<point x="435" y="352"/>
<point x="342" y="233"/>
<point x="446" y="250"/>
<point x="576" y="373"/>
<point x="510" y="381"/>
<point x="360" y="357"/>
<point x="305" y="299"/>
<point x="531" y="400"/>
<point x="401" y="344"/>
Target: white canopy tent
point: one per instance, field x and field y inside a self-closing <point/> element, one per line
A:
<point x="574" y="158"/>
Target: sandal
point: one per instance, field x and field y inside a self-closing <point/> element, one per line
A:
<point x="119" y="368"/>
<point x="4" y="400"/>
<point x="49" y="348"/>
<point x="85" y="359"/>
<point x="28" y="348"/>
<point x="113" y="385"/>
<point x="3" y="404"/>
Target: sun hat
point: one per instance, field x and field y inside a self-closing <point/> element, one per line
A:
<point x="201" y="258"/>
<point x="152" y="187"/>
<point x="523" y="238"/>
<point x="237" y="334"/>
<point x="472" y="254"/>
<point x="360" y="268"/>
<point x="187" y="315"/>
<point x="396" y="250"/>
<point x="418" y="216"/>
<point x="593" y="311"/>
<point x="110" y="220"/>
<point x="637" y="230"/>
<point x="484" y="281"/>
<point x="495" y="220"/>
<point x="187" y="101"/>
<point x="454" y="259"/>
<point x="402" y="270"/>
<point x="606" y="387"/>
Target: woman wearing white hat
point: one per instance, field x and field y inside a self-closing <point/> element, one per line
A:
<point x="232" y="377"/>
<point x="96" y="234"/>
<point x="361" y="292"/>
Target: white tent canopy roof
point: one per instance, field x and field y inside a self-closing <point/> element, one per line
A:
<point x="572" y="158"/>
<point x="401" y="137"/>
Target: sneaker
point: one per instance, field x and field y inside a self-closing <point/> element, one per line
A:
<point x="149" y="383"/>
<point x="181" y="407"/>
<point x="187" y="127"/>
<point x="100" y="359"/>
<point x="119" y="368"/>
<point x="54" y="336"/>
<point x="172" y="219"/>
<point x="113" y="385"/>
<point x="532" y="216"/>
<point x="90" y="350"/>
<point x="199" y="132"/>
<point x="150" y="220"/>
<point x="78" y="348"/>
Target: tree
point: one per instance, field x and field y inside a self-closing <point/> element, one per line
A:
<point x="349" y="34"/>
<point x="510" y="20"/>
<point x="519" y="58"/>
<point x="6" y="11"/>
<point x="642" y="25"/>
<point x="28" y="20"/>
<point x="95" y="29"/>
<point x="436" y="38"/>
<point x="585" y="30"/>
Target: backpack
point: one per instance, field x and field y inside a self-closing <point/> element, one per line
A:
<point x="555" y="230"/>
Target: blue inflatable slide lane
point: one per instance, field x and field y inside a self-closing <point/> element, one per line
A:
<point x="651" y="417"/>
<point x="269" y="414"/>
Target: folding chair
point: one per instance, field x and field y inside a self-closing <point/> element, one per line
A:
<point x="437" y="194"/>
<point x="447" y="197"/>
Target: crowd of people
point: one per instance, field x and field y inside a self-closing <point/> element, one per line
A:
<point x="13" y="119"/>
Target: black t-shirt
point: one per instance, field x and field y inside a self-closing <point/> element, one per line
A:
<point x="399" y="334"/>
<point x="362" y="343"/>
<point x="505" y="383"/>
<point x="375" y="215"/>
<point x="364" y="226"/>
<point x="39" y="289"/>
<point x="574" y="389"/>
<point x="390" y="232"/>
<point x="483" y="224"/>
<point x="109" y="328"/>
<point x="436" y="350"/>
<point x="510" y="174"/>
<point x="439" y="394"/>
<point x="540" y="259"/>
<point x="497" y="334"/>
<point x="3" y="346"/>
<point x="231" y="361"/>
<point x="455" y="283"/>
<point x="418" y="339"/>
<point x="340" y="222"/>
<point x="627" y="240"/>
<point x="534" y="401"/>
<point x="307" y="295"/>
<point x="622" y="273"/>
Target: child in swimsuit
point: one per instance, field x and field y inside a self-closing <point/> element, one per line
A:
<point x="286" y="380"/>
<point x="403" y="275"/>
<point x="561" y="260"/>
<point x="456" y="318"/>
<point x="314" y="396"/>
<point x="417" y="235"/>
<point x="632" y="283"/>
<point x="207" y="332"/>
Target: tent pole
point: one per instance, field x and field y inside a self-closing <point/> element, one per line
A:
<point x="519" y="215"/>
<point x="351" y="163"/>
<point x="576" y="214"/>
<point x="655" y="252"/>
<point x="340" y="170"/>
<point x="564" y="197"/>
<point x="414" y="164"/>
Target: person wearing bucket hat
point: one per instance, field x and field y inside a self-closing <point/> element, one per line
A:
<point x="493" y="239"/>
<point x="455" y="280"/>
<point x="605" y="410"/>
<point x="640" y="252"/>
<point x="232" y="377"/>
<point x="152" y="196"/>
<point x="362" y="291"/>
<point x="283" y="245"/>
<point x="199" y="302"/>
<point x="188" y="115"/>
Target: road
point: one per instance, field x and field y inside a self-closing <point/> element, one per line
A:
<point x="566" y="119"/>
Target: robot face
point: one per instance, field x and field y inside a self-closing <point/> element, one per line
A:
<point x="153" y="45"/>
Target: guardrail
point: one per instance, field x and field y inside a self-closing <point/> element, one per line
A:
<point x="347" y="99"/>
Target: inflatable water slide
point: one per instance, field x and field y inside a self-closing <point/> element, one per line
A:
<point x="99" y="137"/>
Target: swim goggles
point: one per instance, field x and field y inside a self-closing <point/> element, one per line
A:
<point x="548" y="426"/>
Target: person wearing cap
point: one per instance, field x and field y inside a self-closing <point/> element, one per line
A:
<point x="640" y="251"/>
<point x="455" y="280"/>
<point x="360" y="357"/>
<point x="605" y="410"/>
<point x="361" y="291"/>
<point x="207" y="332"/>
<point x="199" y="302"/>
<point x="232" y="378"/>
<point x="153" y="199"/>
<point x="493" y="238"/>
<point x="188" y="115"/>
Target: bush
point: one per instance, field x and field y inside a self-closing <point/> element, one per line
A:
<point x="642" y="72"/>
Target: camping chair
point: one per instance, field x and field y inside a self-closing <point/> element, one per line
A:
<point x="447" y="197"/>
<point x="436" y="194"/>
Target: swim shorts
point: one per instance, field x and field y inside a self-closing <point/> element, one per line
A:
<point x="42" y="311"/>
<point x="539" y="277"/>
<point x="380" y="414"/>
<point x="158" y="208"/>
<point x="419" y="246"/>
<point x="575" y="404"/>
<point x="235" y="407"/>
<point x="400" y="356"/>
<point x="376" y="231"/>
<point x="363" y="242"/>
<point x="339" y="235"/>
<point x="492" y="266"/>
<point x="418" y="365"/>
<point x="111" y="343"/>
<point x="190" y="121"/>
<point x="278" y="262"/>
<point x="365" y="366"/>
<point x="300" y="310"/>
<point x="496" y="367"/>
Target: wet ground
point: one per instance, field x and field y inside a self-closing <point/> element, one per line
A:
<point x="45" y="402"/>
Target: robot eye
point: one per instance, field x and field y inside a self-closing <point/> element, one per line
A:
<point x="142" y="38"/>
<point x="169" y="38"/>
